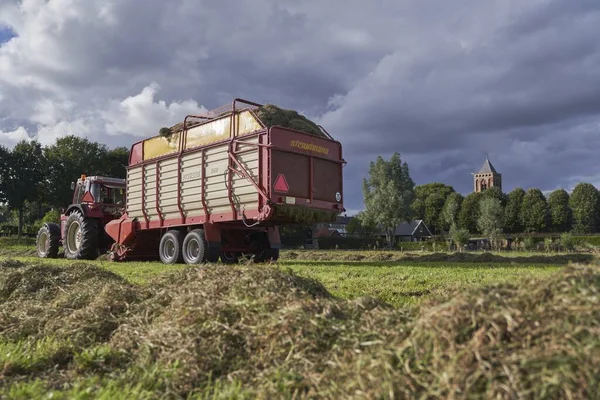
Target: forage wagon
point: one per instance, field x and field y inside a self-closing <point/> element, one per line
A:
<point x="219" y="186"/>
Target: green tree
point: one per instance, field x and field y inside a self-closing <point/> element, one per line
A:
<point x="585" y="204"/>
<point x="115" y="164"/>
<point x="450" y="211"/>
<point x="534" y="211"/>
<point x="422" y="193"/>
<point x="459" y="236"/>
<point x="490" y="220"/>
<point x="4" y="163"/>
<point x="513" y="222"/>
<point x="469" y="212"/>
<point x="67" y="160"/>
<point x="434" y="204"/>
<point x="21" y="176"/>
<point x="359" y="225"/>
<point x="560" y="211"/>
<point x="388" y="195"/>
<point x="496" y="193"/>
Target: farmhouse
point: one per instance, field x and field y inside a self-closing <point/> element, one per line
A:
<point x="413" y="231"/>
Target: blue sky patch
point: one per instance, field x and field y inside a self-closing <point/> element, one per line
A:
<point x="5" y="35"/>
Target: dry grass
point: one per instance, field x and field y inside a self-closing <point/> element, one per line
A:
<point x="260" y="332"/>
<point x="395" y="256"/>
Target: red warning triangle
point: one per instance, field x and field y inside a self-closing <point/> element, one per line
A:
<point x="281" y="184"/>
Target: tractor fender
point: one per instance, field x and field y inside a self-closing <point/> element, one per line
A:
<point x="85" y="211"/>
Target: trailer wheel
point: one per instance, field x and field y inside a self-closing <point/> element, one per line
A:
<point x="266" y="255"/>
<point x="271" y="254"/>
<point x="47" y="240"/>
<point x="229" y="257"/>
<point x="81" y="237"/>
<point x="194" y="247"/>
<point x="169" y="248"/>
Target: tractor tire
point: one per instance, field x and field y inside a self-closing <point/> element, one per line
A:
<point x="194" y="247"/>
<point x="170" y="247"/>
<point x="47" y="240"/>
<point x="81" y="237"/>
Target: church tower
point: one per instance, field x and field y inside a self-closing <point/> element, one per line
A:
<point x="486" y="177"/>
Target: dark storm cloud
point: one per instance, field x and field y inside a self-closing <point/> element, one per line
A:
<point x="520" y="95"/>
<point x="442" y="83"/>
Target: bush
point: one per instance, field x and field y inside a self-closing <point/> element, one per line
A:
<point x="52" y="216"/>
<point x="529" y="244"/>
<point x="591" y="240"/>
<point x="567" y="242"/>
<point x="459" y="236"/>
<point x="8" y="229"/>
<point x="32" y="229"/>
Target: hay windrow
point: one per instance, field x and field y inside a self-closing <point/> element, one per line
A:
<point x="268" y="333"/>
<point x="395" y="256"/>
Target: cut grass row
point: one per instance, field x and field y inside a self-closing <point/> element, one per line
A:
<point x="74" y="330"/>
<point x="399" y="283"/>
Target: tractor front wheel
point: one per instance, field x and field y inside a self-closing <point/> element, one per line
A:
<point x="47" y="240"/>
<point x="81" y="237"/>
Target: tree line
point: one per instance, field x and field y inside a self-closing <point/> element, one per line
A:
<point x="391" y="197"/>
<point x="35" y="179"/>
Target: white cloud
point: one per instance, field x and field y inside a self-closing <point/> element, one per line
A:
<point x="9" y="139"/>
<point x="140" y="115"/>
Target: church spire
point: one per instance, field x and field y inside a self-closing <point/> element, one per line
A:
<point x="486" y="177"/>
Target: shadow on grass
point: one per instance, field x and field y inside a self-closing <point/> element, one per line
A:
<point x="389" y="259"/>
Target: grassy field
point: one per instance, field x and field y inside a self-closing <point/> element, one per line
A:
<point x="316" y="325"/>
<point x="396" y="278"/>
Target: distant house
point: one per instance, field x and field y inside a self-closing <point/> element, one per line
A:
<point x="413" y="231"/>
<point x="334" y="229"/>
<point x="407" y="232"/>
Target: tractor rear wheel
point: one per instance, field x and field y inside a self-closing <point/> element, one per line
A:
<point x="81" y="237"/>
<point x="47" y="240"/>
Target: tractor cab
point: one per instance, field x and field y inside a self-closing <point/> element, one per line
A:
<point x="99" y="190"/>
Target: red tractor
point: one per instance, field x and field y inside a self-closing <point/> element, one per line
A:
<point x="97" y="200"/>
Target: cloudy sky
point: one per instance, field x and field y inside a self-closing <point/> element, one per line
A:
<point x="442" y="83"/>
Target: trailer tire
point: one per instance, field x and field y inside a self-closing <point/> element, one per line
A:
<point x="267" y="255"/>
<point x="170" y="247"/>
<point x="47" y="240"/>
<point x="230" y="257"/>
<point x="194" y="247"/>
<point x="81" y="237"/>
<point x="271" y="254"/>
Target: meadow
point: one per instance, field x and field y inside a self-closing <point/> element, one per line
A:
<point x="318" y="324"/>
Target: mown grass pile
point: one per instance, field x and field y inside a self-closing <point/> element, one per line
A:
<point x="391" y="256"/>
<point x="272" y="115"/>
<point x="260" y="332"/>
